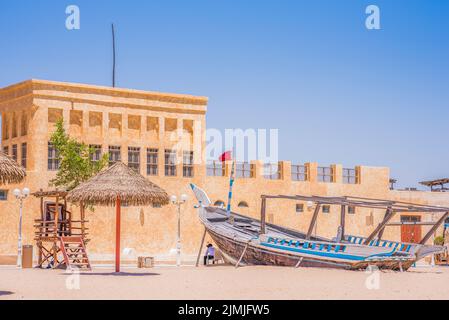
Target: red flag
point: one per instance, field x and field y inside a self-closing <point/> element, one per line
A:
<point x="226" y="156"/>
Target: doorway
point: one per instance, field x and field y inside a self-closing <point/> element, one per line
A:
<point x="411" y="232"/>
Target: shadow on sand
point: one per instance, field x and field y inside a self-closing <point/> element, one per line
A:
<point x="117" y="274"/>
<point x="6" y="293"/>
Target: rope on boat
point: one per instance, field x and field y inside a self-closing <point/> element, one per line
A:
<point x="243" y="253"/>
<point x="299" y="262"/>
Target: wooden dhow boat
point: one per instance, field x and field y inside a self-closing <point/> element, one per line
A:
<point x="247" y="241"/>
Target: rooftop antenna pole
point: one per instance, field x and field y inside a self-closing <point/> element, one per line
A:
<point x="113" y="56"/>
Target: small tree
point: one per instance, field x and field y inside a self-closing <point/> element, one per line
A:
<point x="75" y="159"/>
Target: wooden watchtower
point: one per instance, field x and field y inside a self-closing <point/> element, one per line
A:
<point x="56" y="225"/>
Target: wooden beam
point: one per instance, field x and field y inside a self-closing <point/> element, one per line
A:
<point x="313" y="221"/>
<point x="82" y="216"/>
<point x="342" y="221"/>
<point x="434" y="228"/>
<point x="388" y="215"/>
<point x="57" y="216"/>
<point x="201" y="248"/>
<point x="263" y="216"/>
<point x="381" y="232"/>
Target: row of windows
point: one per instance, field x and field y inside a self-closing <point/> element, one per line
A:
<point x="299" y="207"/>
<point x="274" y="172"/>
<point x="241" y="170"/>
<point x="220" y="203"/>
<point x="11" y="121"/>
<point x="325" y="208"/>
<point x="14" y="153"/>
<point x="152" y="157"/>
<point x="115" y="121"/>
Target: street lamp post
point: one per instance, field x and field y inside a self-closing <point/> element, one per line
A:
<point x="174" y="200"/>
<point x="20" y="196"/>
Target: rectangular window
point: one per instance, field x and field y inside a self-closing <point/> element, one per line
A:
<point x="115" y="154"/>
<point x="3" y="195"/>
<point x="215" y="169"/>
<point x="96" y="155"/>
<point x="134" y="158"/>
<point x="53" y="158"/>
<point x="272" y="171"/>
<point x="187" y="164"/>
<point x="326" y="208"/>
<point x="24" y="124"/>
<point x="5" y="126"/>
<point x="351" y="209"/>
<point x="54" y="115"/>
<point x="6" y="150"/>
<point x="24" y="155"/>
<point x="350" y="176"/>
<point x="325" y="174"/>
<point x="152" y="162"/>
<point x="300" y="173"/>
<point x="299" y="207"/>
<point x="244" y="170"/>
<point x="14" y="152"/>
<point x="170" y="163"/>
<point x="14" y="125"/>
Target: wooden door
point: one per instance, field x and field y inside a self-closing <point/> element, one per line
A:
<point x="409" y="232"/>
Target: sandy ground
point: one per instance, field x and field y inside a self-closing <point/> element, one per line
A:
<point x="224" y="282"/>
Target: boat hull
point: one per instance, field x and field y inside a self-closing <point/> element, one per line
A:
<point x="232" y="250"/>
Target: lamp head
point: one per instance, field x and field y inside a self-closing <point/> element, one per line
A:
<point x="16" y="193"/>
<point x="26" y="192"/>
<point x="173" y="199"/>
<point x="309" y="204"/>
<point x="184" y="197"/>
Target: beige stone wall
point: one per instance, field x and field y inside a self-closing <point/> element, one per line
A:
<point x="131" y="118"/>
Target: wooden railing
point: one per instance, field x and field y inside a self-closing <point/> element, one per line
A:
<point x="66" y="228"/>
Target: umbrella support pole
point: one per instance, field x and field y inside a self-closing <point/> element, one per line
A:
<point x="117" y="235"/>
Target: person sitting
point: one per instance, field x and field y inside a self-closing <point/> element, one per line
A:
<point x="210" y="253"/>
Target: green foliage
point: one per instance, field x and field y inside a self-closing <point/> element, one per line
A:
<point x="439" y="241"/>
<point x="75" y="161"/>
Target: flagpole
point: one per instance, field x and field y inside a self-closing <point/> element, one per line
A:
<point x="231" y="183"/>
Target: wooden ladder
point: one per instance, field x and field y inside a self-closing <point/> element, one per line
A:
<point x="74" y="252"/>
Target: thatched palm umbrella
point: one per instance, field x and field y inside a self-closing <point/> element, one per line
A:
<point x="113" y="186"/>
<point x="10" y="170"/>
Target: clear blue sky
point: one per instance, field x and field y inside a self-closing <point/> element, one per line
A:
<point x="338" y="92"/>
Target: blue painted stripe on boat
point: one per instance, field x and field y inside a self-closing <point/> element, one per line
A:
<point x="360" y="241"/>
<point x="318" y="253"/>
